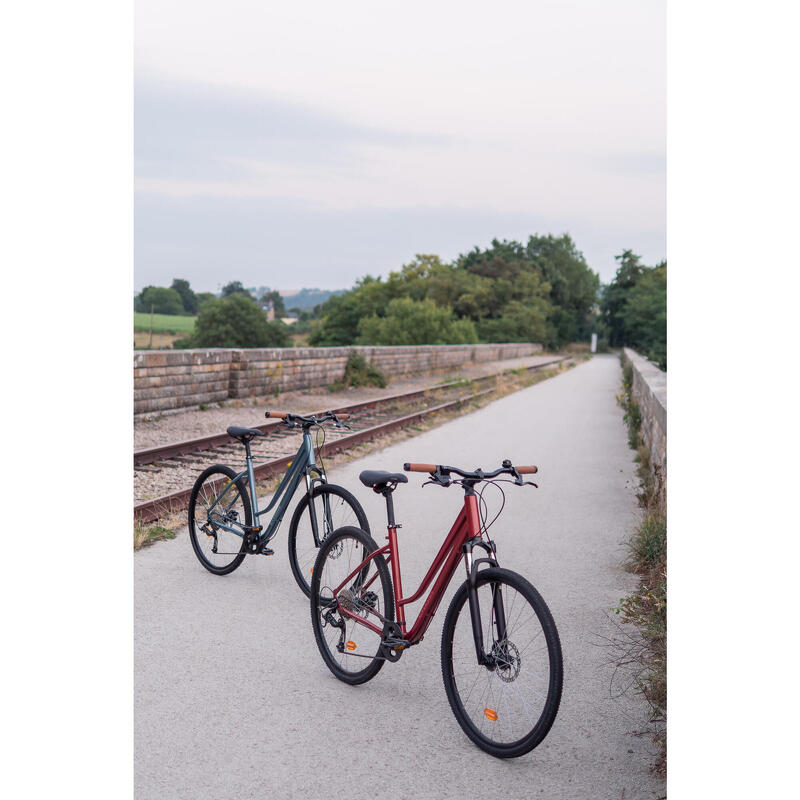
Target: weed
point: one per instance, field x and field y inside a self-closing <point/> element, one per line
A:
<point x="646" y="608"/>
<point x="144" y="535"/>
<point x="358" y="372"/>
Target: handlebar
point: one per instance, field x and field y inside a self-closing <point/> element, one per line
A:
<point x="295" y="420"/>
<point x="440" y="473"/>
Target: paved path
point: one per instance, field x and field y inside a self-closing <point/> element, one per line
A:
<point x="233" y="700"/>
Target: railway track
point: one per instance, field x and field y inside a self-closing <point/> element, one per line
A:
<point x="163" y="476"/>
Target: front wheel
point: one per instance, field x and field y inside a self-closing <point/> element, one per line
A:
<point x="334" y="508"/>
<point x="507" y="706"/>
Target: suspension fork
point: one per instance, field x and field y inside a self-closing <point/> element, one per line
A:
<point x="312" y="510"/>
<point x="474" y="605"/>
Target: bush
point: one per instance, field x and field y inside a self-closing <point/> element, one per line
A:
<point x="358" y="372"/>
<point x="410" y="321"/>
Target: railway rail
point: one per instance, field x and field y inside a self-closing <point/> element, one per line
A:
<point x="164" y="475"/>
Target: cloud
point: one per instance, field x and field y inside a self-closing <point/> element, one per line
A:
<point x="200" y="134"/>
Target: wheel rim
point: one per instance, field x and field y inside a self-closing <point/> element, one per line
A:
<point x="502" y="706"/>
<point x="208" y="512"/>
<point x="342" y="515"/>
<point x="361" y="644"/>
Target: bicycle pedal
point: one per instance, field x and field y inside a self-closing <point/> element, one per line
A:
<point x="267" y="551"/>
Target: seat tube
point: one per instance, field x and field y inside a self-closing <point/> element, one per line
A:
<point x="251" y="479"/>
<point x="394" y="557"/>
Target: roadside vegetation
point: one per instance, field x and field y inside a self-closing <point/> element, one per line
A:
<point x="358" y="372"/>
<point x="144" y="535"/>
<point x="646" y="608"/>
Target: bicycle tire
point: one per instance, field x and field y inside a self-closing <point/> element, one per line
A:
<point x="346" y="666"/>
<point x="301" y="562"/>
<point x="502" y="711"/>
<point x="201" y="496"/>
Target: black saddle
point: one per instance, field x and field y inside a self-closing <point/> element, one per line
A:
<point x="243" y="434"/>
<point x="380" y="480"/>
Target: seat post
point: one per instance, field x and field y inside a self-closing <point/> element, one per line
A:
<point x="387" y="493"/>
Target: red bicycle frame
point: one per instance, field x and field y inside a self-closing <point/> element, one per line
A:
<point x="466" y="527"/>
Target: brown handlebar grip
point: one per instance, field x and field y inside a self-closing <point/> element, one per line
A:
<point x="527" y="470"/>
<point x="344" y="416"/>
<point x="419" y="467"/>
<point x="276" y="414"/>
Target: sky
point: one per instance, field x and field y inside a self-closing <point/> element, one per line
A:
<point x="292" y="145"/>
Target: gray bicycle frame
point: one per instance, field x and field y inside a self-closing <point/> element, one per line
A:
<point x="301" y="466"/>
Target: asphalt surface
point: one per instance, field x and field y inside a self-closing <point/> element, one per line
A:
<point x="232" y="699"/>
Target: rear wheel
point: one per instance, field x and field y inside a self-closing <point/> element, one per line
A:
<point x="508" y="707"/>
<point x="350" y="650"/>
<point x="218" y="550"/>
<point x="335" y="508"/>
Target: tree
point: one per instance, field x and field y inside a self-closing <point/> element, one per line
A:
<point x="634" y="307"/>
<point x="628" y="273"/>
<point x="188" y="297"/>
<point x="519" y="323"/>
<point x="204" y="297"/>
<point x="236" y="321"/>
<point x="160" y="299"/>
<point x="644" y="315"/>
<point x="410" y="321"/>
<point x="234" y="287"/>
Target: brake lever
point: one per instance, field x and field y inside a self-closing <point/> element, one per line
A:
<point x="437" y="482"/>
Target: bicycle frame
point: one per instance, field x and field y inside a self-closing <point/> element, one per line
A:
<point x="303" y="465"/>
<point x="463" y="536"/>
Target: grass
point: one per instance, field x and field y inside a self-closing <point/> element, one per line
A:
<point x="646" y="608"/>
<point x="144" y="535"/>
<point x="163" y="323"/>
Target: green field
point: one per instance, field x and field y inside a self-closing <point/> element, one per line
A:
<point x="163" y="323"/>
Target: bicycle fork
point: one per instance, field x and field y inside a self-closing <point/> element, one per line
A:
<point x="498" y="609"/>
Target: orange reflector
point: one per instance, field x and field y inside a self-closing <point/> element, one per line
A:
<point x="351" y="645"/>
<point x="490" y="713"/>
<point x="312" y="570"/>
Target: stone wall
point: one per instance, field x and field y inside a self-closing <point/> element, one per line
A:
<point x="164" y="380"/>
<point x="650" y="393"/>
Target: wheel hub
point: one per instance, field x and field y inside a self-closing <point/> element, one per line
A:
<point x="507" y="660"/>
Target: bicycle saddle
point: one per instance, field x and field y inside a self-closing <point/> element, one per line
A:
<point x="378" y="479"/>
<point x="243" y="433"/>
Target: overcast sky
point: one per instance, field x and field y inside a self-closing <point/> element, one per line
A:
<point x="292" y="145"/>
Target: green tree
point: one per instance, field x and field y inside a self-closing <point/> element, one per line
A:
<point x="188" y="297"/>
<point x="160" y="299"/>
<point x="234" y="287"/>
<point x="644" y="315"/>
<point x="236" y="321"/>
<point x="520" y="323"/>
<point x="410" y="321"/>
<point x="634" y="307"/>
<point x="204" y="297"/>
<point x="615" y="295"/>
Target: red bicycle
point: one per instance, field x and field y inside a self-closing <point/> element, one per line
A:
<point x="501" y="656"/>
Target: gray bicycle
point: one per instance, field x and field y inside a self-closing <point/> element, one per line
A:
<point x="223" y="508"/>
